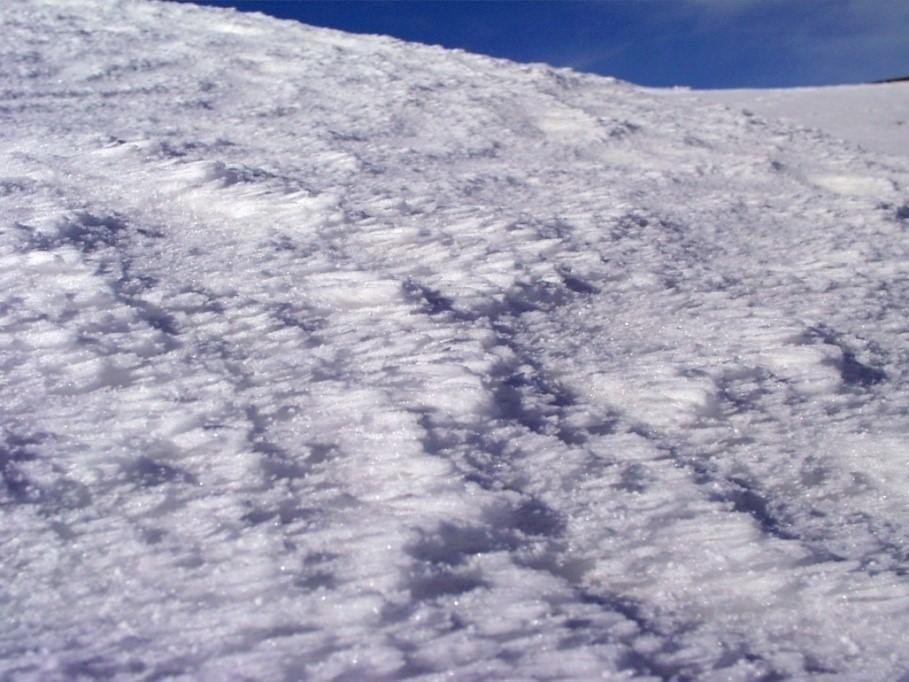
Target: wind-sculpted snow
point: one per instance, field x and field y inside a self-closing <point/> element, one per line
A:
<point x="333" y="357"/>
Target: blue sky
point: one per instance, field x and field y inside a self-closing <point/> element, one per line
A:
<point x="699" y="43"/>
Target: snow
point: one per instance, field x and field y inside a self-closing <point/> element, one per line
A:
<point x="336" y="357"/>
<point x="874" y="117"/>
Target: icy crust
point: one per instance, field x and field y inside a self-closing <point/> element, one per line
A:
<point x="334" y="357"/>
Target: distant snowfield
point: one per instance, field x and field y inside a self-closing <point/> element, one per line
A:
<point x="333" y="357"/>
<point x="873" y="116"/>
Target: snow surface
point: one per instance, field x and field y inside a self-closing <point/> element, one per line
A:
<point x="334" y="357"/>
<point x="875" y="117"/>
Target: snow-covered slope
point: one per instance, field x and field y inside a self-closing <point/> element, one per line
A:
<point x="873" y="116"/>
<point x="335" y="357"/>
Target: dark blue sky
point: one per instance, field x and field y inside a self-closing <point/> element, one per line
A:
<point x="700" y="43"/>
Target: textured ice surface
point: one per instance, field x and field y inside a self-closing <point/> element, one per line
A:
<point x="336" y="357"/>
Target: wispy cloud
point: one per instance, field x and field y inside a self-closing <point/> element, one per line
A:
<point x="861" y="40"/>
<point x="822" y="41"/>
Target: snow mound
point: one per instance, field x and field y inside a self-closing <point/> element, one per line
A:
<point x="335" y="357"/>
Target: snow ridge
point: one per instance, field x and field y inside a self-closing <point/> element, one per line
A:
<point x="335" y="357"/>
